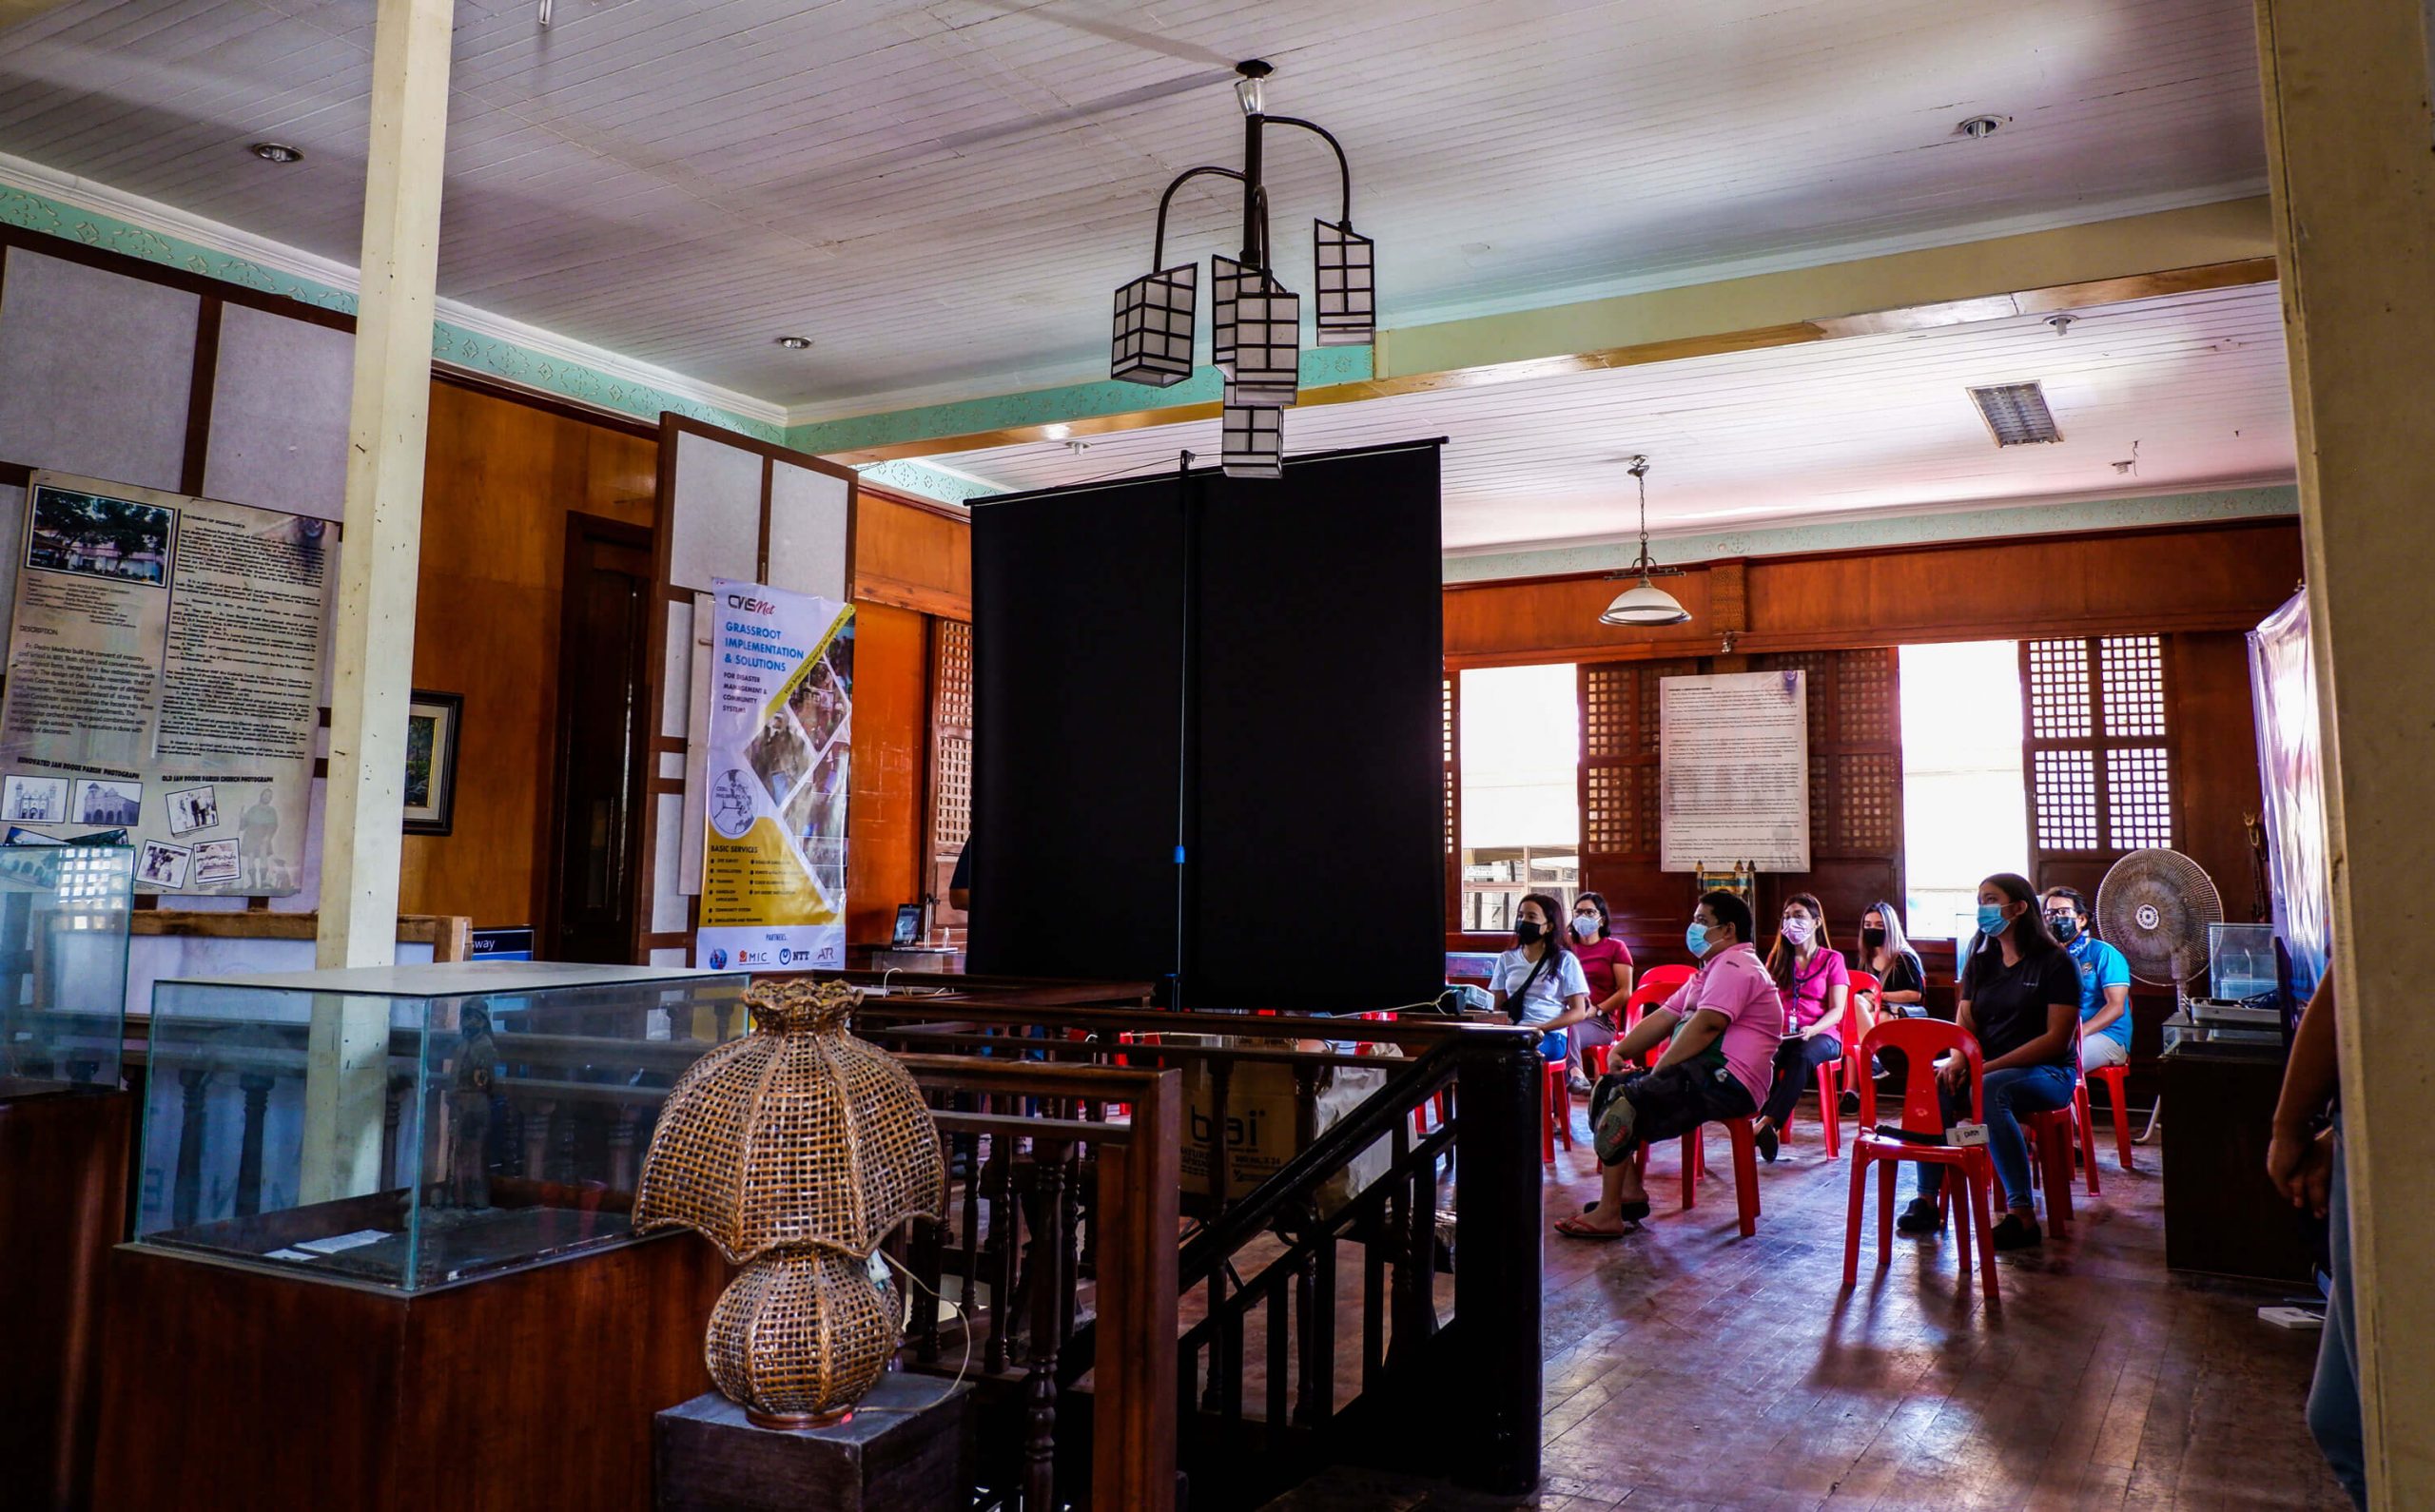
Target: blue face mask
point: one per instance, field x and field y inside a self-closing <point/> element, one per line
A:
<point x="1697" y="938"/>
<point x="1990" y="919"/>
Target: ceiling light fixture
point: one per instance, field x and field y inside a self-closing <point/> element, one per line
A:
<point x="795" y="343"/>
<point x="1058" y="432"/>
<point x="277" y="152"/>
<point x="2017" y="414"/>
<point x="1256" y="323"/>
<point x="1647" y="604"/>
<point x="1978" y="128"/>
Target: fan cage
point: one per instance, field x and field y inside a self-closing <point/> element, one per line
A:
<point x="2130" y="887"/>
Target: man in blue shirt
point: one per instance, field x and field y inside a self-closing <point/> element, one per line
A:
<point x="2105" y="982"/>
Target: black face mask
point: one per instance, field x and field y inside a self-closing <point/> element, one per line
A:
<point x="1529" y="931"/>
<point x="1872" y="939"/>
<point x="2063" y="927"/>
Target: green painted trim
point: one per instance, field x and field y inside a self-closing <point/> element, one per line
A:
<point x="450" y="343"/>
<point x="909" y="477"/>
<point x="2271" y="502"/>
<point x="1322" y="366"/>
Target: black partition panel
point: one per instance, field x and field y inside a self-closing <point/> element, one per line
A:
<point x="1262" y="657"/>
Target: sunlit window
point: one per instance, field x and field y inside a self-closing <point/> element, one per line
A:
<point x="1965" y="815"/>
<point x="1521" y="758"/>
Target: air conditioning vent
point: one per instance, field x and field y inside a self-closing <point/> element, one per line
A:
<point x="2017" y="414"/>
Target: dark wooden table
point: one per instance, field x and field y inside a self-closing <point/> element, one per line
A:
<point x="2222" y="1215"/>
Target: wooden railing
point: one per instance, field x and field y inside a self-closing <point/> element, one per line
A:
<point x="1268" y="1275"/>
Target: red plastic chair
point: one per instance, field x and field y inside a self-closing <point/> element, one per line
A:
<point x="1921" y="1040"/>
<point x="1746" y="1169"/>
<point x="2113" y="1077"/>
<point x="2051" y="1136"/>
<point x="1663" y="980"/>
<point x="1556" y="1114"/>
<point x="1834" y="1075"/>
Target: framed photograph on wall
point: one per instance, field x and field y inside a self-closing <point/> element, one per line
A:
<point x="430" y="761"/>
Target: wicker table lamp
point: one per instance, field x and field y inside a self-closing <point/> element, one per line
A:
<point x="796" y="1150"/>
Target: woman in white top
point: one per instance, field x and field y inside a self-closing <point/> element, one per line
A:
<point x="1538" y="982"/>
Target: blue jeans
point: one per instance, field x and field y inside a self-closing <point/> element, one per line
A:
<point x="2333" y="1397"/>
<point x="2010" y="1093"/>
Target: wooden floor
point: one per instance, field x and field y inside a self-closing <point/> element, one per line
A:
<point x="1690" y="1368"/>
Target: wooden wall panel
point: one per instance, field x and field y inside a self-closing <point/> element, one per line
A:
<point x="500" y="479"/>
<point x="2217" y="577"/>
<point x="2214" y="727"/>
<point x="886" y="811"/>
<point x="913" y="555"/>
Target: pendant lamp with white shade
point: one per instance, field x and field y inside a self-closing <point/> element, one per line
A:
<point x="1644" y="604"/>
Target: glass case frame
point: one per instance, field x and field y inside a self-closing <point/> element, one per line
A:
<point x="66" y="912"/>
<point x="408" y="1127"/>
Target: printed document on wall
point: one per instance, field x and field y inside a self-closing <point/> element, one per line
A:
<point x="1733" y="772"/>
<point x="782" y="710"/>
<point x="165" y="673"/>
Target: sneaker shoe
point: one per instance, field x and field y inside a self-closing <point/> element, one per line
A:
<point x="1851" y="1103"/>
<point x="2016" y="1233"/>
<point x="1766" y="1141"/>
<point x="1918" y="1220"/>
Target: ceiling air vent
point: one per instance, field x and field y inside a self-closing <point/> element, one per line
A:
<point x="2017" y="413"/>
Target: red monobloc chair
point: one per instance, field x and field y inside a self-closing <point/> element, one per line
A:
<point x="1837" y="1075"/>
<point x="1920" y="1041"/>
<point x="1652" y="991"/>
<point x="2114" y="1078"/>
<point x="1556" y="1113"/>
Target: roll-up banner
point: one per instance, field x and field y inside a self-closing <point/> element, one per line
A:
<point x="782" y="714"/>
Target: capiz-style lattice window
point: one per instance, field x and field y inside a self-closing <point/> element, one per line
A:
<point x="950" y="743"/>
<point x="2100" y="758"/>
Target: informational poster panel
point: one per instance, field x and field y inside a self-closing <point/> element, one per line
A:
<point x="164" y="670"/>
<point x="781" y="727"/>
<point x="1733" y="766"/>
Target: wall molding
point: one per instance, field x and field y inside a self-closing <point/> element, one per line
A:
<point x="44" y="199"/>
<point x="1850" y="531"/>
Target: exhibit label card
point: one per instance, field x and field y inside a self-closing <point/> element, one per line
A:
<point x="1733" y="772"/>
<point x="165" y="673"/>
<point x="773" y="857"/>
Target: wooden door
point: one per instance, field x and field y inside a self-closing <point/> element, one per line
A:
<point x="602" y="741"/>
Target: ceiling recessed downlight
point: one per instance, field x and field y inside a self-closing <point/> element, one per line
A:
<point x="1981" y="125"/>
<point x="277" y="152"/>
<point x="795" y="343"/>
<point x="2017" y="414"/>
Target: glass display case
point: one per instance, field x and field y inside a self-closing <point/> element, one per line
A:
<point x="64" y="916"/>
<point x="411" y="1126"/>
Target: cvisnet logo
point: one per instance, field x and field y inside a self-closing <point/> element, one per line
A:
<point x="751" y="606"/>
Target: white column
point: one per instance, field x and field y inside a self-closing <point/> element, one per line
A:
<point x="373" y="655"/>
<point x="2351" y="150"/>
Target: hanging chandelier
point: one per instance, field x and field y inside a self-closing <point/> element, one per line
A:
<point x="1256" y="323"/>
<point x="1646" y="604"/>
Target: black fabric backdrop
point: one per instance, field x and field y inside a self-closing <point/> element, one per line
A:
<point x="1313" y="785"/>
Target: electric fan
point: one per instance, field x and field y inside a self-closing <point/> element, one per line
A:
<point x="2154" y="907"/>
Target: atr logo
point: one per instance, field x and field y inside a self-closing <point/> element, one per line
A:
<point x="751" y="606"/>
<point x="718" y="958"/>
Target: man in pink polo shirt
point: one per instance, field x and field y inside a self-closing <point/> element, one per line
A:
<point x="1725" y="1025"/>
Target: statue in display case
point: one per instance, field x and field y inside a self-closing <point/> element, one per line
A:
<point x="473" y="1081"/>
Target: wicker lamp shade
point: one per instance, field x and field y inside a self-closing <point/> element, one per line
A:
<point x="799" y="1336"/>
<point x="797" y="1134"/>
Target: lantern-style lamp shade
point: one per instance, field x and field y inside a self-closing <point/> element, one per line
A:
<point x="1644" y="604"/>
<point x="1252" y="439"/>
<point x="1152" y="342"/>
<point x="1347" y="291"/>
<point x="798" y="1134"/>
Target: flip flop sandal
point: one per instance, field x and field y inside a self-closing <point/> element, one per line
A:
<point x="1571" y="1229"/>
<point x="1633" y="1212"/>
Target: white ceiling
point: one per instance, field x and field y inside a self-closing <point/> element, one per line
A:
<point x="2196" y="382"/>
<point x="942" y="195"/>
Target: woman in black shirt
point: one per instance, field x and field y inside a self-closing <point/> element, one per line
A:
<point x="1886" y="954"/>
<point x="2020" y="996"/>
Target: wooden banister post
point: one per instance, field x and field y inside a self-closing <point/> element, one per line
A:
<point x="1496" y="1435"/>
<point x="1133" y="1392"/>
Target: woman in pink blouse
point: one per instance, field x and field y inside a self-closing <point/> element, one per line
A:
<point x="1816" y="987"/>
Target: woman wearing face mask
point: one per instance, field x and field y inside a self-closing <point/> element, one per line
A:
<point x="1607" y="967"/>
<point x="1816" y="987"/>
<point x="1539" y="983"/>
<point x="1886" y="954"/>
<point x="2020" y="996"/>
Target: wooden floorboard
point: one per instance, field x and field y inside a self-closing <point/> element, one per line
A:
<point x="1687" y="1367"/>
